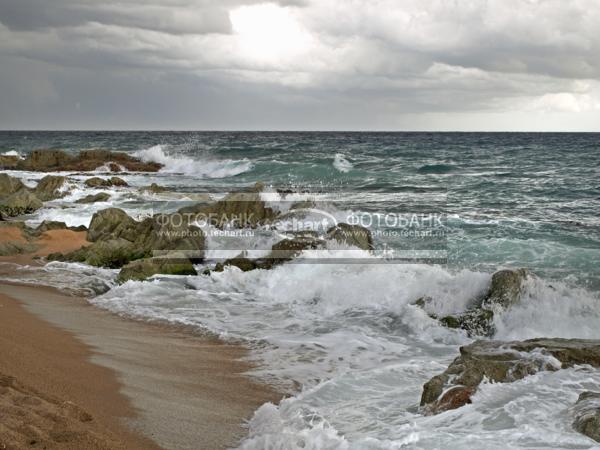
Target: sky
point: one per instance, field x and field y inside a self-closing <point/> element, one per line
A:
<point x="397" y="65"/>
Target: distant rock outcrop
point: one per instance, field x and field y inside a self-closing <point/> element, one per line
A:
<point x="85" y="161"/>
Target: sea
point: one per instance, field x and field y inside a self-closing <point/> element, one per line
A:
<point x="344" y="339"/>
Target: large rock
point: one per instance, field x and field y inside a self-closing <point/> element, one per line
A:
<point x="100" y="197"/>
<point x="112" y="223"/>
<point x="118" y="239"/>
<point x="503" y="362"/>
<point x="111" y="253"/>
<point x="89" y="160"/>
<point x="244" y="209"/>
<point x="587" y="415"/>
<point x="50" y="187"/>
<point x="9" y="185"/>
<point x="19" y="203"/>
<point x="145" y="268"/>
<point x="353" y="235"/>
<point x="97" y="182"/>
<point x="505" y="290"/>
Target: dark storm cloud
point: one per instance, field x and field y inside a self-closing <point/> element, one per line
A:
<point x="298" y="63"/>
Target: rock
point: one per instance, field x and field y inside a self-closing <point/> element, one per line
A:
<point x="9" y="248"/>
<point x="45" y="160"/>
<point x="88" y="160"/>
<point x="281" y="252"/>
<point x="114" y="167"/>
<point x="505" y="289"/>
<point x="587" y="415"/>
<point x="503" y="362"/>
<point x="100" y="197"/>
<point x="476" y="322"/>
<point x="237" y="209"/>
<point x="118" y="239"/>
<point x="112" y="223"/>
<point x="118" y="182"/>
<point x="9" y="185"/>
<point x="354" y="235"/>
<point x="112" y="253"/>
<point x="8" y="162"/>
<point x="154" y="189"/>
<point x="49" y="188"/>
<point x="48" y="225"/>
<point x="19" y="203"/>
<point x="97" y="182"/>
<point x="145" y="268"/>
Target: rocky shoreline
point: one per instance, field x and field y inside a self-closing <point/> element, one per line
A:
<point x="169" y="245"/>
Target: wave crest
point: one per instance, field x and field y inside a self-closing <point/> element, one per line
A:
<point x="218" y="168"/>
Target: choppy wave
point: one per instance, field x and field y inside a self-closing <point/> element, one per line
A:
<point x="341" y="163"/>
<point x="176" y="163"/>
<point x="12" y="153"/>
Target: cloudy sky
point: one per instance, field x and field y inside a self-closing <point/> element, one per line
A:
<point x="300" y="64"/>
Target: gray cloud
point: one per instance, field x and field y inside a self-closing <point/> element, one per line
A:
<point x="299" y="64"/>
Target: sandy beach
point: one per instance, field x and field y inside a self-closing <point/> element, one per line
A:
<point x="74" y="376"/>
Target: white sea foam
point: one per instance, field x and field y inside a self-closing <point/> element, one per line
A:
<point x="202" y="168"/>
<point x="12" y="153"/>
<point x="341" y="163"/>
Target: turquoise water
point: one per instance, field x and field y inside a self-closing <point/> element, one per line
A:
<point x="525" y="199"/>
<point x="349" y="334"/>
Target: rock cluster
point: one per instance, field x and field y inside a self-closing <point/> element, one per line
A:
<point x="85" y="161"/>
<point x="587" y="415"/>
<point x="118" y="239"/>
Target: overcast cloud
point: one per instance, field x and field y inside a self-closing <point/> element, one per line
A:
<point x="300" y="64"/>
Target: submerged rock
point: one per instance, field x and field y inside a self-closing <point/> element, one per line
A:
<point x="97" y="182"/>
<point x="354" y="235"/>
<point x="154" y="189"/>
<point x="503" y="362"/>
<point x="587" y="415"/>
<point x="142" y="269"/>
<point x="50" y="187"/>
<point x="100" y="197"/>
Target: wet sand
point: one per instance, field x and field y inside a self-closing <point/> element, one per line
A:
<point x="183" y="391"/>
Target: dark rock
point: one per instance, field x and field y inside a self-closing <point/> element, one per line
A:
<point x="118" y="182"/>
<point x="354" y="235"/>
<point x="505" y="289"/>
<point x="476" y="322"/>
<point x="142" y="269"/>
<point x="112" y="223"/>
<point x="587" y="415"/>
<point x="97" y="182"/>
<point x="100" y="197"/>
<point x="112" y="253"/>
<point x="49" y="188"/>
<point x="503" y="362"/>
<point x="114" y="167"/>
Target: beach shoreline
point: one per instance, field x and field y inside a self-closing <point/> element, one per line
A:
<point x="146" y="385"/>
